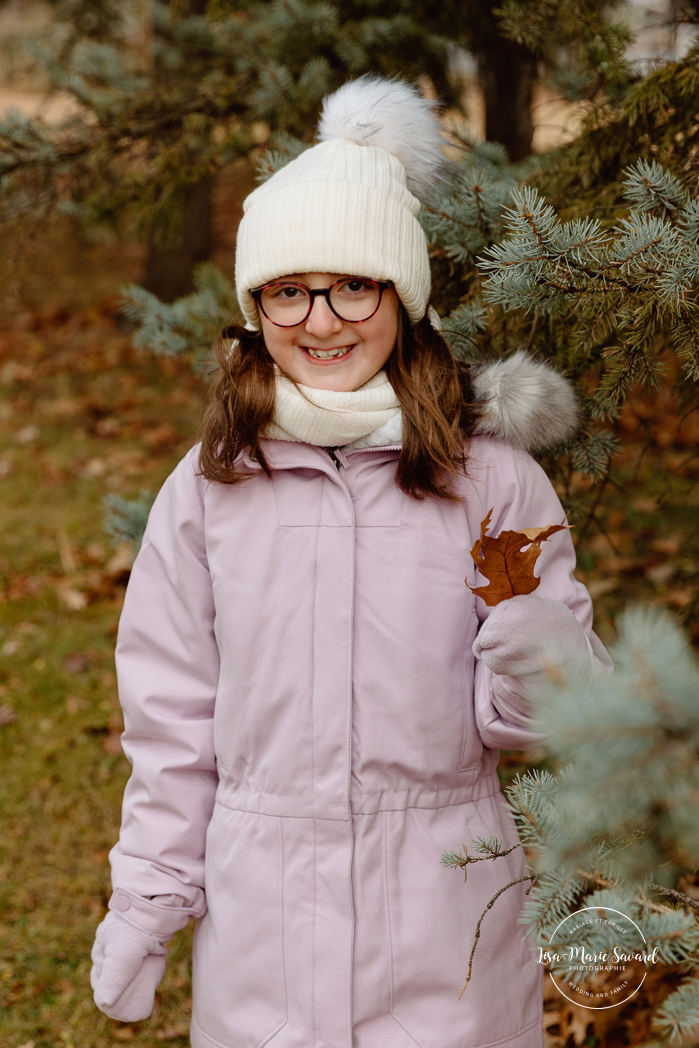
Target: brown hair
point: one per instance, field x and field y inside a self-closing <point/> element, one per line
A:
<point x="434" y="391"/>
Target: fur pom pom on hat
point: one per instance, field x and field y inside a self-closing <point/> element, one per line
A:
<point x="525" y="402"/>
<point x="349" y="205"/>
<point x="392" y="116"/>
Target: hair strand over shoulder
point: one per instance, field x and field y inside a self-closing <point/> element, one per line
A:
<point x="433" y="388"/>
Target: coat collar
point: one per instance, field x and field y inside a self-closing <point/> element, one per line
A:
<point x="291" y="454"/>
<point x="521" y="400"/>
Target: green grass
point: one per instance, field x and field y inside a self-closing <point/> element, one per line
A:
<point x="81" y="415"/>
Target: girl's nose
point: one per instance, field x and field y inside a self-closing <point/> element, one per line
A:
<point x="321" y="321"/>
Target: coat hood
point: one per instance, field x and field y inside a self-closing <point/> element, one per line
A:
<point x="525" y="402"/>
<point x="522" y="401"/>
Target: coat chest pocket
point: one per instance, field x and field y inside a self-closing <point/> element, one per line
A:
<point x="307" y="498"/>
<point x="239" y="984"/>
<point x="298" y="494"/>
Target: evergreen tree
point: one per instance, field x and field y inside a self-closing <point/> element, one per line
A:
<point x="172" y="92"/>
<point x="654" y="118"/>
<point x="581" y="47"/>
<point x="613" y="828"/>
<point x="157" y="122"/>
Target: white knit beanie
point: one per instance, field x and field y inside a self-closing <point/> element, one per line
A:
<point x="349" y="205"/>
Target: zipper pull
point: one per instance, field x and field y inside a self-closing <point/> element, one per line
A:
<point x="339" y="455"/>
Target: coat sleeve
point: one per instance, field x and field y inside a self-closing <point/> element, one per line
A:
<point x="515" y="487"/>
<point x="167" y="668"/>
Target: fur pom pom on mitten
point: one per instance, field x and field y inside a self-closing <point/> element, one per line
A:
<point x="528" y="637"/>
<point x="127" y="966"/>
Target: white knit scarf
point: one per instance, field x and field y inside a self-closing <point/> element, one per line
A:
<point x="330" y="419"/>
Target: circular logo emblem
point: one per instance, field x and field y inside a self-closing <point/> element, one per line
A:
<point x="598" y="978"/>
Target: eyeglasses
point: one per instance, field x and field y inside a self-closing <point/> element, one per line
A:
<point x="352" y="299"/>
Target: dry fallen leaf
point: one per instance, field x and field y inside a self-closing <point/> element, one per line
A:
<point x="123" y="1033"/>
<point x="598" y="587"/>
<point x="507" y="560"/>
<point x="7" y="714"/>
<point x="121" y="561"/>
<point x="27" y="435"/>
<point x="170" y="1033"/>
<point x="76" y="662"/>
<point x="73" y="599"/>
<point x="112" y="744"/>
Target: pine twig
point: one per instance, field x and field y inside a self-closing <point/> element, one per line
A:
<point x="592" y="515"/>
<point x="495" y="854"/>
<point x="532" y="332"/>
<point x="686" y="900"/>
<point x="596" y="879"/>
<point x="647" y="904"/>
<point x="458" y="861"/>
<point x="448" y="217"/>
<point x="477" y="936"/>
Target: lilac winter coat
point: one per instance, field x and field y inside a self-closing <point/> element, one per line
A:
<point x="309" y="732"/>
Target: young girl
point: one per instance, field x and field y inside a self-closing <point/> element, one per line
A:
<point x="313" y="699"/>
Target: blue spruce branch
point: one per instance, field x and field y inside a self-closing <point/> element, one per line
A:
<point x="125" y="519"/>
<point x="597" y="833"/>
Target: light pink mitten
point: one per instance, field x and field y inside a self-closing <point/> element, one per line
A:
<point x="128" y="965"/>
<point x="528" y="637"/>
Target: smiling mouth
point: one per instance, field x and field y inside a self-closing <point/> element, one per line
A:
<point x="327" y="354"/>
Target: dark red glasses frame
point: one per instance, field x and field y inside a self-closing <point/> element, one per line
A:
<point x="257" y="292"/>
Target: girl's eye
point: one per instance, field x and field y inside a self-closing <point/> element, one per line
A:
<point x="355" y="288"/>
<point x="287" y="292"/>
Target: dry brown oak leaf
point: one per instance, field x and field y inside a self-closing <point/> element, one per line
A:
<point x="507" y="560"/>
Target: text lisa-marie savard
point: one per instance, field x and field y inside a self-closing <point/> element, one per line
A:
<point x="581" y="955"/>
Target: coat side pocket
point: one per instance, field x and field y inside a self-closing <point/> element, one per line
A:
<point x="239" y="983"/>
<point x="471" y="745"/>
<point x="431" y="922"/>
